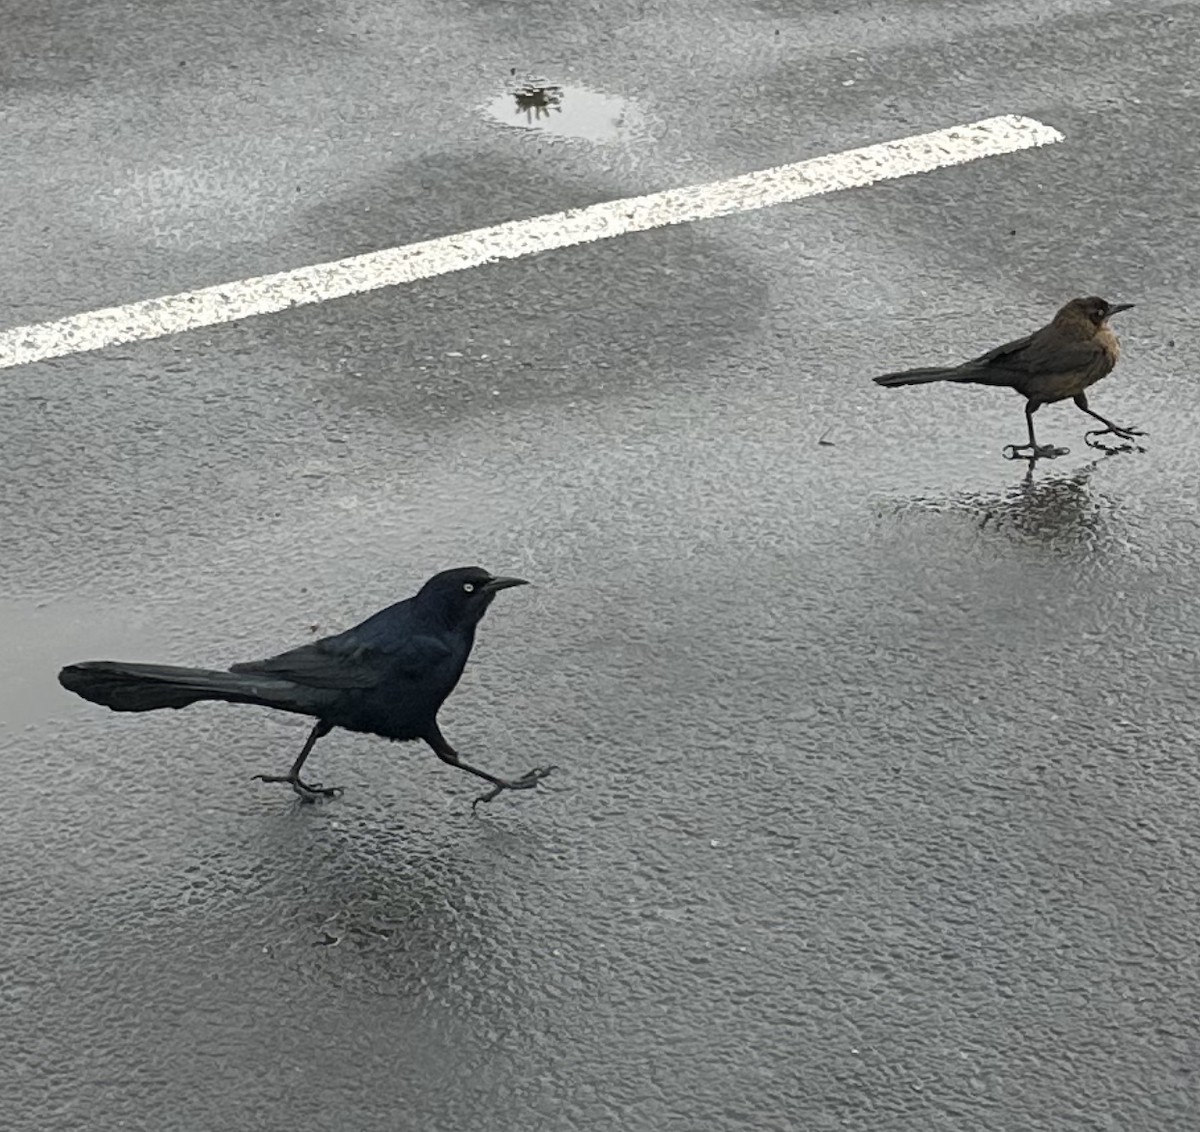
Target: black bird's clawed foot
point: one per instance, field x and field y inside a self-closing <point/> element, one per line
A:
<point x="525" y="782"/>
<point x="308" y="791"/>
<point x="1127" y="434"/>
<point x="1034" y="452"/>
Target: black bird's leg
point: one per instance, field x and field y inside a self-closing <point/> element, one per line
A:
<point x="449" y="755"/>
<point x="1033" y="450"/>
<point x="308" y="791"/>
<point x="1116" y="430"/>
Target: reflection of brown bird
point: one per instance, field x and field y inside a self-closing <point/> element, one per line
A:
<point x="1061" y="360"/>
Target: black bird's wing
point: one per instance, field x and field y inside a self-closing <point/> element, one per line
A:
<point x="336" y="662"/>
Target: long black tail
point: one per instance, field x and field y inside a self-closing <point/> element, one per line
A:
<point x="147" y="687"/>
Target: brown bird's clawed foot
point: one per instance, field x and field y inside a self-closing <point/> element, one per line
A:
<point x="1034" y="452"/>
<point x="308" y="791"/>
<point x="525" y="782"/>
<point x="1127" y="434"/>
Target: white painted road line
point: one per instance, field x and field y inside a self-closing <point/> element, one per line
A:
<point x="229" y="302"/>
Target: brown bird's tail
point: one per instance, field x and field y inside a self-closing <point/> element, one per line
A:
<point x="921" y="376"/>
<point x="978" y="371"/>
<point x="147" y="687"/>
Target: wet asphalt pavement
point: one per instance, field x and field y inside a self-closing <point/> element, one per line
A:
<point x="878" y="795"/>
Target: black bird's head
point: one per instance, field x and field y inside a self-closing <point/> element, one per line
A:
<point x="461" y="597"/>
<point x="1093" y="310"/>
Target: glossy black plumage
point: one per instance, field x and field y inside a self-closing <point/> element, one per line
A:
<point x="387" y="676"/>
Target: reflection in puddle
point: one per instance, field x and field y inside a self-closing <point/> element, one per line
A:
<point x="1055" y="509"/>
<point x="566" y="111"/>
<point x="538" y="101"/>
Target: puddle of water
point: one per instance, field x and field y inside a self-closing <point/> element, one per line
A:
<point x="37" y="640"/>
<point x="565" y="111"/>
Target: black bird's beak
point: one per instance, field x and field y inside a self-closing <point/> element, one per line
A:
<point x="1116" y="308"/>
<point x="497" y="584"/>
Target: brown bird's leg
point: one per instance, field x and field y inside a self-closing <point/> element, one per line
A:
<point x="449" y="755"/>
<point x="308" y="791"/>
<point x="1033" y="450"/>
<point x="1125" y="433"/>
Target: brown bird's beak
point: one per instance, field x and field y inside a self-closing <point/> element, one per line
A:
<point x="497" y="584"/>
<point x="1115" y="308"/>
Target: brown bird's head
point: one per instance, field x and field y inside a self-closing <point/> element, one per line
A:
<point x="1093" y="310"/>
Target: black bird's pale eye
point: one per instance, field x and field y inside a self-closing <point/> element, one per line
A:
<point x="469" y="587"/>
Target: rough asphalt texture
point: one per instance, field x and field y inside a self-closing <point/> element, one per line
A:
<point x="878" y="800"/>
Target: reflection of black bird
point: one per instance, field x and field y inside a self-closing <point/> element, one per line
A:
<point x="1058" y="361"/>
<point x="387" y="676"/>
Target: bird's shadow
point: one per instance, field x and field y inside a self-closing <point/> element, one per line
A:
<point x="370" y="909"/>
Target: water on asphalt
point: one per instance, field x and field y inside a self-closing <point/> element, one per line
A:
<point x="877" y="795"/>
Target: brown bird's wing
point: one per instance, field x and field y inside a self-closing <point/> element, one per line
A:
<point x="1043" y="353"/>
<point x="1009" y="353"/>
<point x="1046" y="363"/>
<point x="1068" y="355"/>
<point x="1004" y="365"/>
